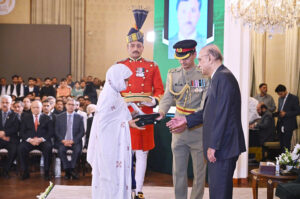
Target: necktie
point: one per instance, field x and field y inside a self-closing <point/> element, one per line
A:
<point x="4" y="118"/>
<point x="36" y="122"/>
<point x="69" y="128"/>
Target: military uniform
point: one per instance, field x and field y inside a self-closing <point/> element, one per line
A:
<point x="145" y="81"/>
<point x="186" y="89"/>
<point x="146" y="88"/>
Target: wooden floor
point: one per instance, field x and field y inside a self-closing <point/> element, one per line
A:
<point x="14" y="188"/>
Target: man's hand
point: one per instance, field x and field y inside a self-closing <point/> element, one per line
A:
<point x="33" y="141"/>
<point x="6" y="138"/>
<point x="67" y="143"/>
<point x="177" y="124"/>
<point x="282" y="113"/>
<point x="161" y="116"/>
<point x="132" y="124"/>
<point x="211" y="155"/>
<point x="2" y="134"/>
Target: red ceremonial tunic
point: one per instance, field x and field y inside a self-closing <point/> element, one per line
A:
<point x="144" y="81"/>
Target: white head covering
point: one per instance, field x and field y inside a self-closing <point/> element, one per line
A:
<point x="110" y="138"/>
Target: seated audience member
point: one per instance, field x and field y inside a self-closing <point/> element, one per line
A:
<point x="31" y="87"/>
<point x="70" y="82"/>
<point x="82" y="113"/>
<point x="48" y="89"/>
<point x="3" y="86"/>
<point x="266" y="125"/>
<point x="44" y="98"/>
<point x="13" y="97"/>
<point x="264" y="97"/>
<point x="63" y="90"/>
<point x="27" y="105"/>
<point x="91" y="111"/>
<point x="54" y="82"/>
<point x="37" y="98"/>
<point x="97" y="82"/>
<point x="252" y="113"/>
<point x="9" y="127"/>
<point x="18" y="109"/>
<point x="36" y="132"/>
<point x="87" y="100"/>
<point x="69" y="130"/>
<point x="31" y="96"/>
<point x="90" y="91"/>
<point x="16" y="88"/>
<point x="59" y="107"/>
<point x="77" y="91"/>
<point x="46" y="108"/>
<point x="82" y="105"/>
<point x="82" y="84"/>
<point x="39" y="83"/>
<point x="52" y="102"/>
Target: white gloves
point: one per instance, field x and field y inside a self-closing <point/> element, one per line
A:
<point x="150" y="104"/>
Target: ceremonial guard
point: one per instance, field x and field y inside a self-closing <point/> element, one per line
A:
<point x="186" y="87"/>
<point x="145" y="88"/>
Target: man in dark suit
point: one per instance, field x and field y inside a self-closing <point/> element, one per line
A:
<point x="48" y="89"/>
<point x="36" y="132"/>
<point x="288" y="109"/>
<point x="265" y="126"/>
<point x="9" y="127"/>
<point x="69" y="130"/>
<point x="31" y="87"/>
<point x="223" y="138"/>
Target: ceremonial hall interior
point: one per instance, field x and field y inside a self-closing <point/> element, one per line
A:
<point x="57" y="61"/>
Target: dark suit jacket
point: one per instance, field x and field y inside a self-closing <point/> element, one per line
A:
<point x="18" y="89"/>
<point x="292" y="109"/>
<point x="45" y="128"/>
<point x="11" y="127"/>
<point x="36" y="90"/>
<point x="88" y="131"/>
<point x="48" y="91"/>
<point x="266" y="127"/>
<point x="221" y="116"/>
<point x="61" y="127"/>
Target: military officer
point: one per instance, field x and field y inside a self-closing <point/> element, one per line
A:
<point x="186" y="87"/>
<point x="145" y="87"/>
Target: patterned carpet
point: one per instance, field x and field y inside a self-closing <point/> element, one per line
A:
<point x="150" y="192"/>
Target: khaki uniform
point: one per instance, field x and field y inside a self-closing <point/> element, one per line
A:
<point x="186" y="90"/>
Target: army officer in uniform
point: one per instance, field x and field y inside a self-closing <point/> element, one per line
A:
<point x="186" y="87"/>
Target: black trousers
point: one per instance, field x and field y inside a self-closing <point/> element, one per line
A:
<point x="24" y="149"/>
<point x="285" y="140"/>
<point x="62" y="152"/>
<point x="220" y="176"/>
<point x="11" y="147"/>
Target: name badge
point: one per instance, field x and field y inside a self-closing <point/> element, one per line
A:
<point x="140" y="72"/>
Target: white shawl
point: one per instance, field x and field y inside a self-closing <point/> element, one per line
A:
<point x="109" y="150"/>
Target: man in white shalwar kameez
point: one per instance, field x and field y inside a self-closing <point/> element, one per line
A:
<point x="109" y="150"/>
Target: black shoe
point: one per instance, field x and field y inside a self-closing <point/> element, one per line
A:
<point x="67" y="174"/>
<point x="74" y="175"/>
<point x="140" y="196"/>
<point x="25" y="176"/>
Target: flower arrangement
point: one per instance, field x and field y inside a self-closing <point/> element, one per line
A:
<point x="47" y="191"/>
<point x="290" y="158"/>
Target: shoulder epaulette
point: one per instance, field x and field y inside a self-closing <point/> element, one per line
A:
<point x="173" y="70"/>
<point x="122" y="60"/>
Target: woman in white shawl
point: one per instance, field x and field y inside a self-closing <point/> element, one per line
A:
<point x="109" y="150"/>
